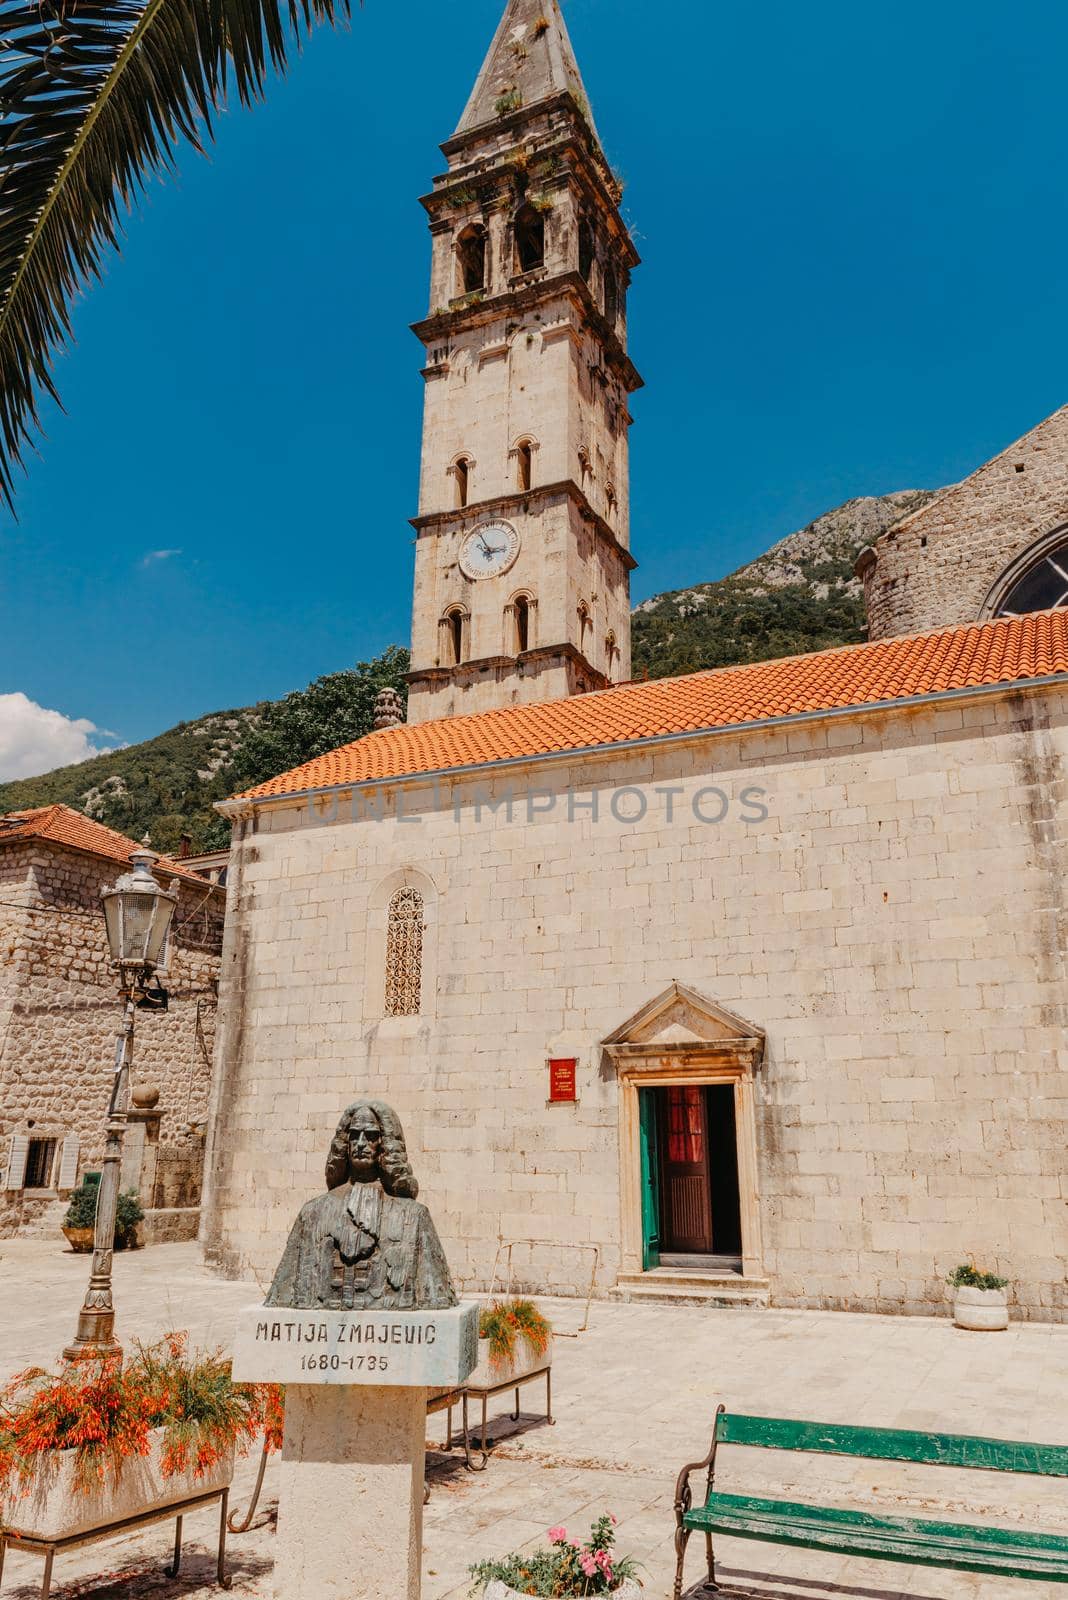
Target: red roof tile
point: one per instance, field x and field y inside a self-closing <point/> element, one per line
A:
<point x="1010" y="650"/>
<point x="63" y="826"/>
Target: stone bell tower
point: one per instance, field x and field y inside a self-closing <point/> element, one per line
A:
<point x="522" y="581"/>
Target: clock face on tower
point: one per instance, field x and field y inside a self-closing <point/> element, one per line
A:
<point x="490" y="550"/>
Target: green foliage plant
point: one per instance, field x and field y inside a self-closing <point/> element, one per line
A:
<point x="81" y="1213"/>
<point x="505" y="1322"/>
<point x="969" y="1276"/>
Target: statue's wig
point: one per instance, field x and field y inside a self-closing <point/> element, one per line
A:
<point x="394" y="1168"/>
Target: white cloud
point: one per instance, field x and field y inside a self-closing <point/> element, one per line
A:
<point x="34" y="740"/>
<point x="153" y="556"/>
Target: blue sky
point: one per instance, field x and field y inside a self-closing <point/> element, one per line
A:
<point x="854" y="233"/>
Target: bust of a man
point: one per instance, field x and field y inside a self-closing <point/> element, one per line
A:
<point x="366" y="1245"/>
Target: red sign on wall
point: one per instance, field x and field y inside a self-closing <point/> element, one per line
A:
<point x="563" y="1082"/>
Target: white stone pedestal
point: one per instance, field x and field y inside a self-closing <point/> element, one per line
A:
<point x="350" y="1509"/>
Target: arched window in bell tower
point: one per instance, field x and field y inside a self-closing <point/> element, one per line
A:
<point x="521" y="606"/>
<point x="524" y="468"/>
<point x="529" y="239"/>
<point x="454" y="636"/>
<point x="471" y="259"/>
<point x="461" y="471"/>
<point x="585" y="248"/>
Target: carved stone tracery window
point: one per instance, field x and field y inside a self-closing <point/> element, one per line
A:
<point x="404" y="954"/>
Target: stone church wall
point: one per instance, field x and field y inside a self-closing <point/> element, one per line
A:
<point x="59" y="1014"/>
<point x="939" y="567"/>
<point x="896" y="926"/>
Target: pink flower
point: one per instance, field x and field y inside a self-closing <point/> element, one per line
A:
<point x="557" y="1535"/>
<point x="613" y="1520"/>
<point x="588" y="1565"/>
<point x="603" y="1560"/>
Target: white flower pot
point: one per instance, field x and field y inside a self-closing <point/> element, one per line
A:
<point x="981" y="1310"/>
<point x="629" y="1589"/>
<point x="488" y="1375"/>
<point x="51" y="1507"/>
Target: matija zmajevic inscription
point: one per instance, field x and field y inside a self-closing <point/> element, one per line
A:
<point x="367" y="1244"/>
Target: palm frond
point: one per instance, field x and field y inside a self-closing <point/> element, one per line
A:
<point x="95" y="98"/>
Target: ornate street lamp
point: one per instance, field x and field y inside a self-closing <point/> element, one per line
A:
<point x="138" y="915"/>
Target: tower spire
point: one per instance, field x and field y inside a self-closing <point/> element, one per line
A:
<point x="530" y="60"/>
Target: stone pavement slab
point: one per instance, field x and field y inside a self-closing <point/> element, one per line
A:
<point x="635" y="1396"/>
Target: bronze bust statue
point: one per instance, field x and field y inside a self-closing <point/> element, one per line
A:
<point x="366" y="1245"/>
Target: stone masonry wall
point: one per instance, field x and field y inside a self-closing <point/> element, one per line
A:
<point x="59" y="1013"/>
<point x="939" y="566"/>
<point x="897" y="925"/>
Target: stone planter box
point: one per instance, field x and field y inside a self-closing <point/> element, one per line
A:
<point x="981" y="1310"/>
<point x="51" y="1508"/>
<point x="488" y="1375"/>
<point x="629" y="1589"/>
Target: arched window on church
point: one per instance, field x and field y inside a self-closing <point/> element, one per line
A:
<point x="453" y="625"/>
<point x="471" y="259"/>
<point x="524" y="456"/>
<point x="529" y="239"/>
<point x="1041" y="585"/>
<point x="585" y="249"/>
<point x="404" y="954"/>
<point x="461" y="472"/>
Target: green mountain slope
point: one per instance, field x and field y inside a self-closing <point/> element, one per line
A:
<point x="801" y="596"/>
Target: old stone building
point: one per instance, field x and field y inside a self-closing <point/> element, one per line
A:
<point x="744" y="987"/>
<point x="59" y="1012"/>
<point x="995" y="545"/>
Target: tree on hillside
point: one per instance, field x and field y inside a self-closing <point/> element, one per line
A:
<point x="330" y="712"/>
<point x="95" y="98"/>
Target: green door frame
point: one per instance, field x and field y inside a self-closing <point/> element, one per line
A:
<point x="650" y="1179"/>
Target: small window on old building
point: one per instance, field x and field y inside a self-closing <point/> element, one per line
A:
<point x="453" y="624"/>
<point x="525" y="465"/>
<point x="521" y="609"/>
<point x="585" y="247"/>
<point x="471" y="255"/>
<point x="40" y="1160"/>
<point x="529" y="239"/>
<point x="404" y="954"/>
<point x="462" y="473"/>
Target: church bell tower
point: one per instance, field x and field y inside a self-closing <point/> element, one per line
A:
<point x="522" y="580"/>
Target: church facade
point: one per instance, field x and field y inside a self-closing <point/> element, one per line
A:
<point x="740" y="988"/>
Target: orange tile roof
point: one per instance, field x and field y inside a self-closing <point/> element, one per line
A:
<point x="62" y="825"/>
<point x="1009" y="650"/>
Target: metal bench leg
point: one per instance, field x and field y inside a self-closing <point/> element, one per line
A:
<point x="711" y="1587"/>
<point x="468" y="1462"/>
<point x="3" y="1552"/>
<point x="46" y="1581"/>
<point x="682" y="1539"/>
<point x="448" y="1441"/>
<point x="176" y="1566"/>
<point x="224" y="1581"/>
<point x="549" y="1397"/>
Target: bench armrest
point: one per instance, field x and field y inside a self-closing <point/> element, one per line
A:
<point x="683" y="1491"/>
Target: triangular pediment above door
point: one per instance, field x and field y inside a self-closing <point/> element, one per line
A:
<point x="680" y="1021"/>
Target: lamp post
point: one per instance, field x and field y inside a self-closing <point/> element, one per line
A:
<point x="138" y="916"/>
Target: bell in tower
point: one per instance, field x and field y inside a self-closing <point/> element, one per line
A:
<point x="522" y="581"/>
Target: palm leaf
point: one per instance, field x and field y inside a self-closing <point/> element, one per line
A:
<point x="95" y="98"/>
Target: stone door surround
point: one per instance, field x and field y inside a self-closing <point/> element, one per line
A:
<point x="681" y="1038"/>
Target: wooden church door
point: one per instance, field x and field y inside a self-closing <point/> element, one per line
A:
<point x="686" y="1175"/>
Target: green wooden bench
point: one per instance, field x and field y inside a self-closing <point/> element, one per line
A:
<point x="1001" y="1552"/>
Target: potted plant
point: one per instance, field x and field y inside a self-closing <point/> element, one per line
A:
<point x="514" y="1341"/>
<point x="980" y="1299"/>
<point x="96" y="1442"/>
<point x="79" y="1223"/>
<point x="566" y="1569"/>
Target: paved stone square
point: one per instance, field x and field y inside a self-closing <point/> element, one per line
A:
<point x="635" y="1396"/>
